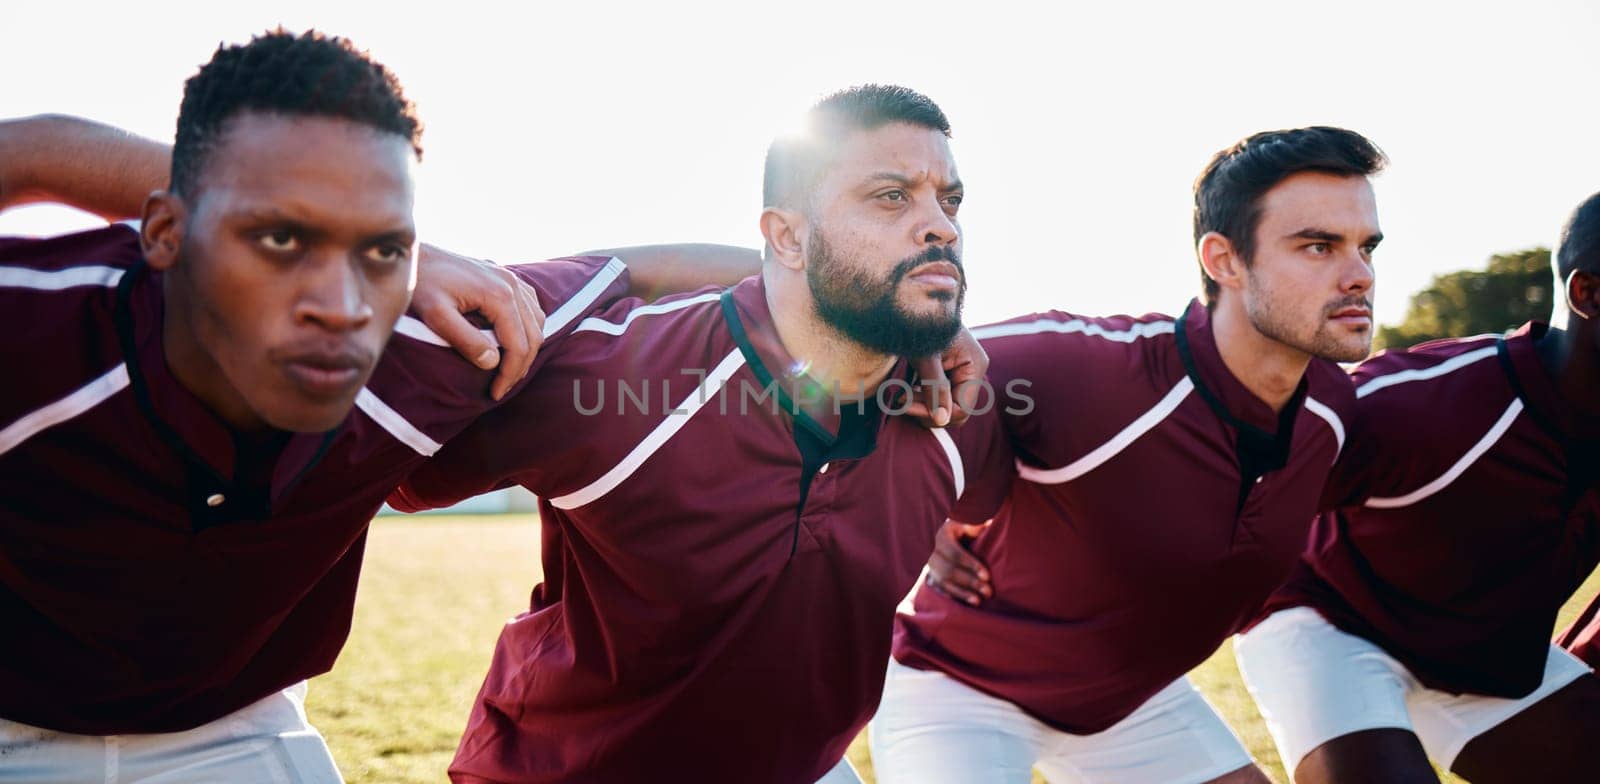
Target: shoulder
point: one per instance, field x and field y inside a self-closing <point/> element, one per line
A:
<point x="571" y="286"/>
<point x="1446" y="379"/>
<point x="1418" y="410"/>
<point x="1067" y="351"/>
<point x="53" y="283"/>
<point x="678" y="311"/>
<point x="69" y="264"/>
<point x="1060" y="330"/>
<point x="57" y="305"/>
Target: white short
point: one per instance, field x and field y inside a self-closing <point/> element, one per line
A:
<point x="932" y="728"/>
<point x="267" y="741"/>
<point x="1315" y="683"/>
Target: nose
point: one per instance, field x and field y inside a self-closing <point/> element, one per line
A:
<point x="938" y="227"/>
<point x="332" y="295"/>
<point x="1357" y="275"/>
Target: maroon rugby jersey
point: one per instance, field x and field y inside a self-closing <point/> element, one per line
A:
<point x="720" y="576"/>
<point x="141" y="588"/>
<point x="1466" y="516"/>
<point x="1158" y="503"/>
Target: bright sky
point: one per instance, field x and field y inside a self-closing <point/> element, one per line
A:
<point x="1078" y="129"/>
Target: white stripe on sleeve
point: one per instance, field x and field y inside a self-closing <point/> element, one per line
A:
<point x="680" y="416"/>
<point x="957" y="470"/>
<point x="1139" y="330"/>
<point x="57" y="280"/>
<point x="1420" y="374"/>
<point x="1499" y="429"/>
<point x="1119" y="442"/>
<point x="1316" y="407"/>
<point x="597" y="324"/>
<point x="576" y="305"/>
<point x="84" y="398"/>
<point x="391" y="420"/>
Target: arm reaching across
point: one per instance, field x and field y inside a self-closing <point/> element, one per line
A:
<point x="659" y="270"/>
<point x="84" y="164"/>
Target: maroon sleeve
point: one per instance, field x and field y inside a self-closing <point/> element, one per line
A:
<point x="1065" y="384"/>
<point x="1402" y="434"/>
<point x="568" y="290"/>
<point x="987" y="460"/>
<point x="559" y="432"/>
<point x="48" y="285"/>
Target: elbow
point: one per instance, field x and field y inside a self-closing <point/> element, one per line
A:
<point x="406" y="499"/>
<point x="18" y="136"/>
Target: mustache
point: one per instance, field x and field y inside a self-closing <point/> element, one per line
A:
<point x="1353" y="301"/>
<point x="932" y="254"/>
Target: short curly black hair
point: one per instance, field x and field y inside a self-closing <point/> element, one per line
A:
<point x="283" y="73"/>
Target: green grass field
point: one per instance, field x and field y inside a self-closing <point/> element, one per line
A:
<point x="433" y="597"/>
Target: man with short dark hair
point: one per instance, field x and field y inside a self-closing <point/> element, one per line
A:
<point x="722" y="558"/>
<point x="199" y="426"/>
<point x="1465" y="512"/>
<point x="1166" y="479"/>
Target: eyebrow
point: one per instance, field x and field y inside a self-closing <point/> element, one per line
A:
<point x="1323" y="235"/>
<point x="402" y="234"/>
<point x="900" y="179"/>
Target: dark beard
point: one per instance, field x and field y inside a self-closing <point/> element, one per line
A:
<point x="864" y="310"/>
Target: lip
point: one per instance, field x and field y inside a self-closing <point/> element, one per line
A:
<point x="1352" y="316"/>
<point x="938" y="274"/>
<point x="325" y="374"/>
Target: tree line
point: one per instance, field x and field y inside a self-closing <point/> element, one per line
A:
<point x="1514" y="288"/>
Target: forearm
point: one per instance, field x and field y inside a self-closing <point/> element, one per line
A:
<point x="93" y="167"/>
<point x="658" y="270"/>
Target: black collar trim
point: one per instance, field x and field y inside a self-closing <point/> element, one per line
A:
<point x="730" y="314"/>
<point x="1509" y="367"/>
<point x="1259" y="452"/>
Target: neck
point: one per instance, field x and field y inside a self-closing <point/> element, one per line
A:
<point x="195" y="369"/>
<point x="1568" y="355"/>
<point x="1268" y="368"/>
<point x="840" y="365"/>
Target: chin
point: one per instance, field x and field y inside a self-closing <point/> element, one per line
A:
<point x="933" y="308"/>
<point x="309" y="417"/>
<point x="1350" y="353"/>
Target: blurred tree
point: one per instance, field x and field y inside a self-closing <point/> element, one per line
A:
<point x="1515" y="288"/>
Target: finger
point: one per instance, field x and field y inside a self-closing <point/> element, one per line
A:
<point x="957" y="565"/>
<point x="954" y="589"/>
<point x="918" y="410"/>
<point x="963" y="566"/>
<point x="954" y="563"/>
<point x="447" y="322"/>
<point x="504" y="313"/>
<point x="931" y="377"/>
<point x="515" y="366"/>
<point x="963" y="574"/>
<point x="967" y="363"/>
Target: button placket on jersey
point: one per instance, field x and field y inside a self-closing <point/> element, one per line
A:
<point x="817" y="515"/>
<point x="1249" y="514"/>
